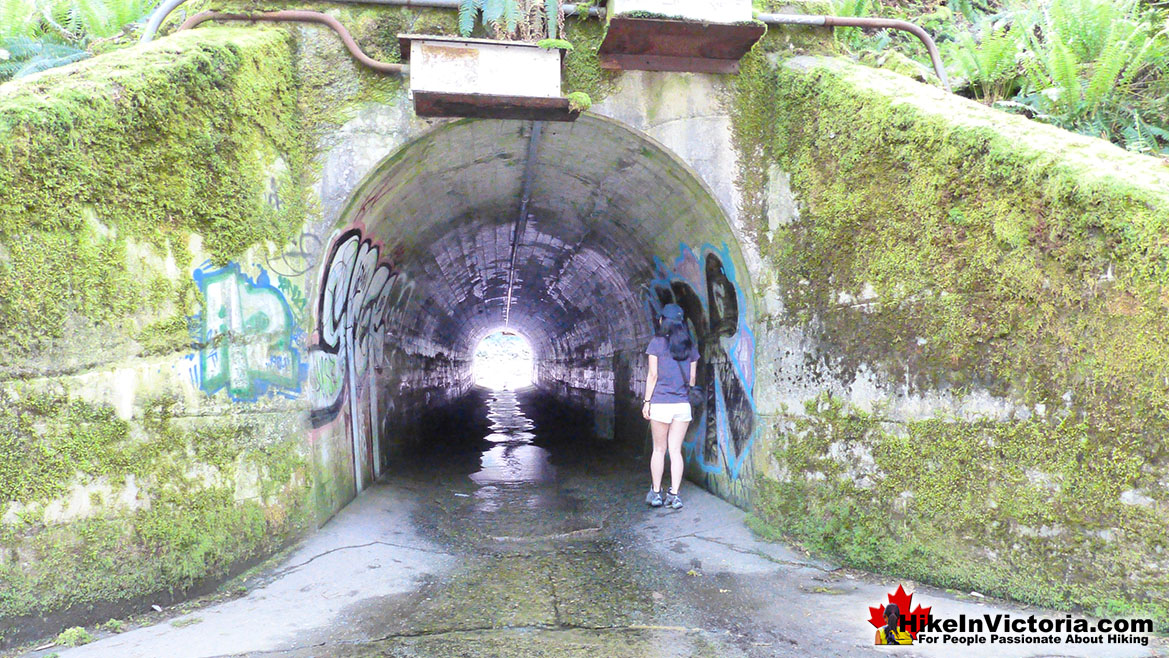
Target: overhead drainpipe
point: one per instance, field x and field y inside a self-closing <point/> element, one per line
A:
<point x="302" y="17"/>
<point x="867" y="23"/>
<point x="521" y="224"/>
<point x="163" y="10"/>
<point x="159" y="15"/>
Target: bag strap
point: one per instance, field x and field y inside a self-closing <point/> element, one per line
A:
<point x="685" y="378"/>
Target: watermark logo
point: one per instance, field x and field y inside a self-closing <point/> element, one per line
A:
<point x="897" y="623"/>
<point x="894" y="622"/>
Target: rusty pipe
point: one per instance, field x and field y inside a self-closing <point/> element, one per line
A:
<point x="867" y="23"/>
<point x="298" y="16"/>
<point x="165" y="8"/>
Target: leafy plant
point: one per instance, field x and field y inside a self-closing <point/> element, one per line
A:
<point x="74" y="636"/>
<point x="990" y="65"/>
<point x="22" y="56"/>
<point x="1099" y="68"/>
<point x="39" y="34"/>
<point x="525" y="20"/>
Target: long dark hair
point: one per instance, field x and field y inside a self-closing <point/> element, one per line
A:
<point x="677" y="336"/>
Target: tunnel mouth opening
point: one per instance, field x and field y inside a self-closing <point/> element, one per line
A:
<point x="503" y="360"/>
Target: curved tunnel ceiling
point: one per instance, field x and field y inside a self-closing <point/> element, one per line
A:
<point x="603" y="200"/>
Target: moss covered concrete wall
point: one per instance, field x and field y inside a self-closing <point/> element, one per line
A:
<point x="151" y="436"/>
<point x="168" y="219"/>
<point x="966" y="338"/>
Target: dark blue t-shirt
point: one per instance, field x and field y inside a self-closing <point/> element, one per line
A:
<point x="671" y="386"/>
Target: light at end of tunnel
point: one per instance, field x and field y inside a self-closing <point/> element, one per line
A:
<point x="503" y="360"/>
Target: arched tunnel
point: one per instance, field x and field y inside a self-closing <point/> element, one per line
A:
<point x="253" y="330"/>
<point x="548" y="230"/>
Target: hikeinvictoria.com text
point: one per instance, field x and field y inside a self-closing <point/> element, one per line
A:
<point x="1007" y="629"/>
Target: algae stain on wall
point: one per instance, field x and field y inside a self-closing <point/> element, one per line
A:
<point x="936" y="262"/>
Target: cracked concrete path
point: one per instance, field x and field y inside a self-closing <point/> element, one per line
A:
<point x="515" y="549"/>
<point x="368" y="549"/>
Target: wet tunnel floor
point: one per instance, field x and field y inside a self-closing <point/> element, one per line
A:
<point x="517" y="534"/>
<point x="538" y="512"/>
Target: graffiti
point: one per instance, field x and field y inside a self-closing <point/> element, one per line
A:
<point x="298" y="259"/>
<point x="704" y="285"/>
<point x="294" y="296"/>
<point x="272" y="196"/>
<point x="248" y="333"/>
<point x="360" y="297"/>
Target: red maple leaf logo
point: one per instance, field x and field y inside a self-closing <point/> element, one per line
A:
<point x="911" y="622"/>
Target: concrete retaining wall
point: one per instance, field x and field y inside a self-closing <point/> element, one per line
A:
<point x="234" y="267"/>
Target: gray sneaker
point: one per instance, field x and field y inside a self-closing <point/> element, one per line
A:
<point x="653" y="498"/>
<point x="673" y="500"/>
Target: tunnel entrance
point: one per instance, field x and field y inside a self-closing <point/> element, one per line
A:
<point x="503" y="361"/>
<point x="571" y="235"/>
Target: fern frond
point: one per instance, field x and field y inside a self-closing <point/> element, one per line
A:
<point x="1108" y="67"/>
<point x="468" y="11"/>
<point x="552" y="15"/>
<point x="493" y="12"/>
<point x="511" y="16"/>
<point x="1065" y="73"/>
<point x="39" y="64"/>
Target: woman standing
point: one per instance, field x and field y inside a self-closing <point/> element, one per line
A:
<point x="673" y="367"/>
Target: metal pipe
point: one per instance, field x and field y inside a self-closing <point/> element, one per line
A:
<point x="301" y="17"/>
<point x="521" y="224"/>
<point x="867" y="23"/>
<point x="163" y="10"/>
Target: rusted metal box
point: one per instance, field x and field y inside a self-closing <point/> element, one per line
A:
<point x="701" y="36"/>
<point x="456" y="77"/>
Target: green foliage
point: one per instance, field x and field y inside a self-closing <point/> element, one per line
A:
<point x="74" y="637"/>
<point x="579" y="101"/>
<point x="21" y="56"/>
<point x="36" y="35"/>
<point x="1024" y="265"/>
<point x="525" y="20"/>
<point x="145" y="147"/>
<point x="1097" y="67"/>
<point x="991" y="65"/>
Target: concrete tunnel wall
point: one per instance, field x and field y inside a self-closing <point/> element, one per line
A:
<point x="291" y="316"/>
<point x="923" y="285"/>
<point x="609" y="213"/>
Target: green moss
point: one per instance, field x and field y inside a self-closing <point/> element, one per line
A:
<point x="165" y="336"/>
<point x="74" y="637"/>
<point x="1007" y="508"/>
<point x="193" y="530"/>
<point x="554" y="44"/>
<point x="991" y="256"/>
<point x="582" y="66"/>
<point x="148" y="144"/>
<point x="579" y="101"/>
<point x="45" y="438"/>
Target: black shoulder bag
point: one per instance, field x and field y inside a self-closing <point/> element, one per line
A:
<point x="696" y="394"/>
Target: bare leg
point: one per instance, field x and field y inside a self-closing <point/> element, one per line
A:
<point x="657" y="460"/>
<point x="677" y="433"/>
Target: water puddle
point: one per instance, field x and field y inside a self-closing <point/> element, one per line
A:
<point x="514" y="473"/>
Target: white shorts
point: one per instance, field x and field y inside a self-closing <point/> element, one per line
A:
<point x="666" y="412"/>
